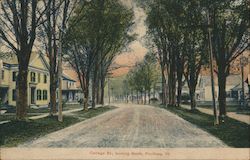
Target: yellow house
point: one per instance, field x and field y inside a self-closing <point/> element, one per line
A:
<point x="38" y="79"/>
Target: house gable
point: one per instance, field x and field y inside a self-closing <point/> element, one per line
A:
<point x="39" y="62"/>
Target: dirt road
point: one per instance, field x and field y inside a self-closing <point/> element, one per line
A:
<point x="130" y="126"/>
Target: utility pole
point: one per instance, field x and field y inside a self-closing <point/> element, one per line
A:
<point x="1" y="68"/>
<point x="243" y="63"/>
<point x="60" y="116"/>
<point x="248" y="78"/>
<point x="216" y="119"/>
<point x="242" y="83"/>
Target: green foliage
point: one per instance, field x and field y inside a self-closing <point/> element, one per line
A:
<point x="144" y="75"/>
<point x="99" y="31"/>
<point x="102" y="27"/>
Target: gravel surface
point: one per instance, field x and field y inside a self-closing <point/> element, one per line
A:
<point x="130" y="126"/>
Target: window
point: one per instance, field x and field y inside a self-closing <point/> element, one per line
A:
<point x="39" y="77"/>
<point x="45" y="94"/>
<point x="32" y="77"/>
<point x="45" y="78"/>
<point x="2" y="74"/>
<point x="39" y="95"/>
<point x="14" y="76"/>
<point x="13" y="95"/>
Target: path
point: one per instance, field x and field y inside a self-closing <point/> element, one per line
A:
<point x="130" y="126"/>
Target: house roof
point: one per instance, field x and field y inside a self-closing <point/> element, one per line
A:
<point x="239" y="87"/>
<point x="68" y="78"/>
<point x="10" y="58"/>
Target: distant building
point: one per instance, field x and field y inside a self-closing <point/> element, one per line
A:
<point x="233" y="88"/>
<point x="70" y="92"/>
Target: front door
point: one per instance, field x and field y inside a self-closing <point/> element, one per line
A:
<point x="33" y="93"/>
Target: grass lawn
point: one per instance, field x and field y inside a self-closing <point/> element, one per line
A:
<point x="232" y="132"/>
<point x="72" y="106"/>
<point x="7" y="117"/>
<point x="17" y="132"/>
<point x="228" y="108"/>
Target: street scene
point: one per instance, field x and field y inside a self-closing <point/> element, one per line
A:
<point x="132" y="126"/>
<point x="124" y="74"/>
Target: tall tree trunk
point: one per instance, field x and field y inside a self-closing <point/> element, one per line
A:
<point x="193" y="99"/>
<point x="145" y="97"/>
<point x="173" y="80"/>
<point x="172" y="85"/>
<point x="132" y="96"/>
<point x="180" y="70"/>
<point x="164" y="102"/>
<point x="93" y="95"/>
<point x="22" y="91"/>
<point x="98" y="90"/>
<point x="222" y="93"/>
<point x="86" y="99"/>
<point x="149" y="96"/>
<point x="94" y="85"/>
<point x="53" y="86"/>
<point x="141" y="97"/>
<point x="137" y="97"/>
<point x="102" y="90"/>
<point x="179" y="92"/>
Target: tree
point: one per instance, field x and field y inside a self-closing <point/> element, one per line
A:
<point x="195" y="40"/>
<point x="164" y="22"/>
<point x="143" y="77"/>
<point x="18" y="24"/>
<point x="102" y="34"/>
<point x="56" y="16"/>
<point x="115" y="22"/>
<point x="230" y="36"/>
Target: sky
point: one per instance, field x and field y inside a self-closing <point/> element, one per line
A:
<point x="137" y="49"/>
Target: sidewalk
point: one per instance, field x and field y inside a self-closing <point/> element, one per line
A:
<point x="233" y="115"/>
<point x="47" y="114"/>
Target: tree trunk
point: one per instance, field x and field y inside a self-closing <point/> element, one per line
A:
<point x="102" y="90"/>
<point x="180" y="70"/>
<point x="145" y="97"/>
<point x="94" y="85"/>
<point x="222" y="94"/>
<point x="86" y="99"/>
<point x="137" y="97"/>
<point x="179" y="93"/>
<point x="163" y="87"/>
<point x="132" y="98"/>
<point x="141" y="97"/>
<point x="53" y="83"/>
<point x="98" y="90"/>
<point x="172" y="80"/>
<point x="22" y="92"/>
<point x="149" y="96"/>
<point x="193" y="101"/>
